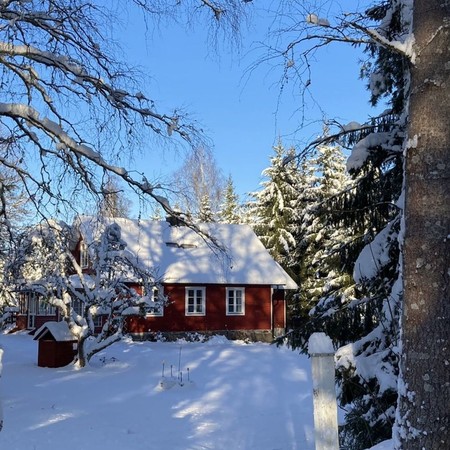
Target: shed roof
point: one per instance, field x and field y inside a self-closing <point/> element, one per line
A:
<point x="59" y="331"/>
<point x="179" y="255"/>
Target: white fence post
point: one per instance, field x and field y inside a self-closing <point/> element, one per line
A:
<point x="320" y="348"/>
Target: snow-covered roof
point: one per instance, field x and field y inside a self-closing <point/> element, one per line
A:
<point x="178" y="254"/>
<point x="59" y="331"/>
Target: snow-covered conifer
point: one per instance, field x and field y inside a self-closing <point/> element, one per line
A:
<point x="229" y="212"/>
<point x="321" y="238"/>
<point x="274" y="205"/>
<point x="357" y="290"/>
<point x="362" y="314"/>
<point x="205" y="214"/>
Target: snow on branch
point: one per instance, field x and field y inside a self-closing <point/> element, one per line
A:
<point x="316" y="20"/>
<point x="353" y="132"/>
<point x="65" y="88"/>
<point x="53" y="130"/>
<point x="405" y="47"/>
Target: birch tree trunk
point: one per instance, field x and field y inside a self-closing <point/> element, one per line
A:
<point x="424" y="403"/>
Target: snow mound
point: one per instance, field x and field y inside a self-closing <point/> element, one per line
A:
<point x="320" y="343"/>
<point x="167" y="383"/>
<point x="385" y="445"/>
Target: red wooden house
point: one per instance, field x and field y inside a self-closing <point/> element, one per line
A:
<point x="238" y="292"/>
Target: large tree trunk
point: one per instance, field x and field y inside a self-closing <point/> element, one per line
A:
<point x="424" y="404"/>
<point x="1" y="408"/>
<point x="82" y="357"/>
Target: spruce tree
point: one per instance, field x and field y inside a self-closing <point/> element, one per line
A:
<point x="350" y="265"/>
<point x="205" y="214"/>
<point x="274" y="205"/>
<point x="358" y="305"/>
<point x="323" y="272"/>
<point x="298" y="263"/>
<point x="229" y="212"/>
<point x="368" y="367"/>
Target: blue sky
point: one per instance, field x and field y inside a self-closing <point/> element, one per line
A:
<point x="241" y="115"/>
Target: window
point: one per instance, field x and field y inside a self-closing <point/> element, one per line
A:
<point x="78" y="306"/>
<point x="84" y="255"/>
<point x="44" y="308"/>
<point x="235" y="301"/>
<point x="32" y="303"/>
<point x="98" y="321"/>
<point x="195" y="301"/>
<point x="23" y="302"/>
<point x="35" y="304"/>
<point x="32" y="308"/>
<point x="158" y="309"/>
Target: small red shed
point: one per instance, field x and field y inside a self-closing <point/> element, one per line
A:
<point x="56" y="344"/>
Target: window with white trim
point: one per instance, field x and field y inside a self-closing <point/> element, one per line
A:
<point x="45" y="308"/>
<point x="84" y="255"/>
<point x="78" y="306"/>
<point x="158" y="309"/>
<point x="23" y="302"/>
<point x="31" y="301"/>
<point x="195" y="301"/>
<point x="98" y="321"/>
<point x="36" y="305"/>
<point x="235" y="301"/>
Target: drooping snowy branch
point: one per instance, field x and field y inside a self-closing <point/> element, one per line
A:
<point x="405" y="47"/>
<point x="72" y="105"/>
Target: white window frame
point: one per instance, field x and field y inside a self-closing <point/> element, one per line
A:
<point x="23" y="302"/>
<point x="32" y="303"/>
<point x="196" y="290"/>
<point x="44" y="308"/>
<point x="231" y="295"/>
<point x="38" y="305"/>
<point x="32" y="308"/>
<point x="157" y="311"/>
<point x="84" y="255"/>
<point x="78" y="307"/>
<point x="97" y="320"/>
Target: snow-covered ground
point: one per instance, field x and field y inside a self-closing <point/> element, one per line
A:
<point x="240" y="396"/>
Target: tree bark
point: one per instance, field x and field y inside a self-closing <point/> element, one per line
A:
<point x="424" y="402"/>
<point x="81" y="351"/>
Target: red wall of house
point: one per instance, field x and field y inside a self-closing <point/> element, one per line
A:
<point x="22" y="320"/>
<point x="264" y="310"/>
<point x="40" y="320"/>
<point x="279" y="314"/>
<point x="257" y="312"/>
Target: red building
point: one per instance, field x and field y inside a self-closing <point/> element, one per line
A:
<point x="57" y="346"/>
<point x="237" y="289"/>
